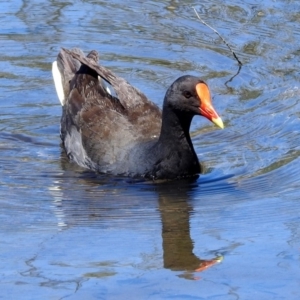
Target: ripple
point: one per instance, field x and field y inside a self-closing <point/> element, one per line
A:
<point x="81" y="232"/>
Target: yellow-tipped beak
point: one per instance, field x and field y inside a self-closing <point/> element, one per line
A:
<point x="206" y="108"/>
<point x="218" y="121"/>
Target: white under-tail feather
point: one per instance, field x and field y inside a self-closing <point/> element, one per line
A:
<point x="58" y="83"/>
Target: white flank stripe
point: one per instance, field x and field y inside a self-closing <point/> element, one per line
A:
<point x="108" y="90"/>
<point x="103" y="83"/>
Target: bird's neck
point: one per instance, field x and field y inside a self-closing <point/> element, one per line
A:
<point x="175" y="127"/>
<point x="173" y="154"/>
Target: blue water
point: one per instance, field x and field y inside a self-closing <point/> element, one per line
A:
<point x="67" y="233"/>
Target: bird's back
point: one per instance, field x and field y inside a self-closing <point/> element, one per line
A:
<point x="103" y="115"/>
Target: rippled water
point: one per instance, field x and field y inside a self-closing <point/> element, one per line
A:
<point x="67" y="233"/>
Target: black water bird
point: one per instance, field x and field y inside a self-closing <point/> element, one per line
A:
<point x="109" y="126"/>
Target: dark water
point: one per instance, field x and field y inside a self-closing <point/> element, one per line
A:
<point x="68" y="234"/>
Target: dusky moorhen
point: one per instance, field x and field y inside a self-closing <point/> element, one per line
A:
<point x="109" y="126"/>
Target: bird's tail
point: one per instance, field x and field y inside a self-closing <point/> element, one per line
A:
<point x="63" y="70"/>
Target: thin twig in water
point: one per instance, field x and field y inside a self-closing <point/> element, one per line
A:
<point x="237" y="73"/>
<point x="214" y="30"/>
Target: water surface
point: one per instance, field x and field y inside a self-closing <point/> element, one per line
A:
<point x="67" y="233"/>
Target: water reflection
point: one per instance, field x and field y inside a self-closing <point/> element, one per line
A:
<point x="175" y="210"/>
<point x="99" y="200"/>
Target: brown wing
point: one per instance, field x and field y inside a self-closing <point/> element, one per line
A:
<point x="94" y="125"/>
<point x="142" y="113"/>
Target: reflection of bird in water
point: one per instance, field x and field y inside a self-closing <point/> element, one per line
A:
<point x="175" y="210"/>
<point x="89" y="199"/>
<point x="205" y="264"/>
